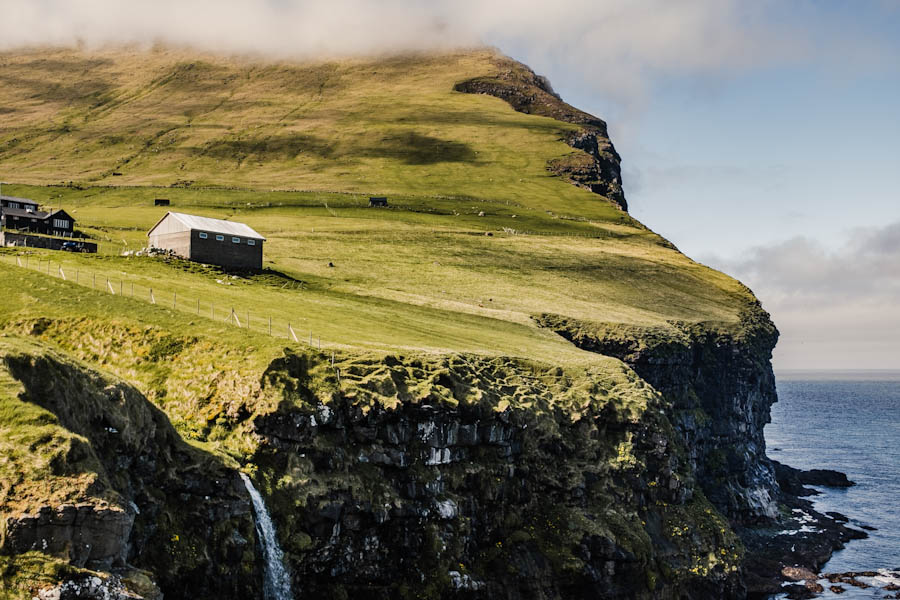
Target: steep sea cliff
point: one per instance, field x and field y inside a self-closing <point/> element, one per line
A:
<point x="141" y="446"/>
<point x="431" y="477"/>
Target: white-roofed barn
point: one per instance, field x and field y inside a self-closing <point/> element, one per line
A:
<point x="211" y="241"/>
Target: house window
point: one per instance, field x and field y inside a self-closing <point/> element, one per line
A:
<point x="251" y="242"/>
<point x="14" y="205"/>
<point x="203" y="235"/>
<point x="236" y="240"/>
<point x="60" y="224"/>
<point x="220" y="238"/>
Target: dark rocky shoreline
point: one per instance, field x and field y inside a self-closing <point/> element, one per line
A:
<point x="786" y="556"/>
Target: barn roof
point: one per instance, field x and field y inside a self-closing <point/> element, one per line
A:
<point x="194" y="222"/>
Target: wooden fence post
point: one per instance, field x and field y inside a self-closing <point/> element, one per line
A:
<point x="174" y="300"/>
<point x="152" y="299"/>
<point x="109" y="285"/>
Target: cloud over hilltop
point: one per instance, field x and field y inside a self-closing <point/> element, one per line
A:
<point x="617" y="44"/>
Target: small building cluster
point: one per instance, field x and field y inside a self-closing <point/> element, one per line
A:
<point x="211" y="241"/>
<point x="201" y="239"/>
<point x="23" y="215"/>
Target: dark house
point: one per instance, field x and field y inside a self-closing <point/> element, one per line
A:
<point x="377" y="201"/>
<point x="210" y="241"/>
<point x="23" y="215"/>
<point x="13" y="202"/>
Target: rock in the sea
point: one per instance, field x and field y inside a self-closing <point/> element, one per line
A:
<point x="825" y="477"/>
<point x="799" y="574"/>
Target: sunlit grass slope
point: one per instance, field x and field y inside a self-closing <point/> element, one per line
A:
<point x="386" y="126"/>
<point x="479" y="237"/>
<point x="409" y="277"/>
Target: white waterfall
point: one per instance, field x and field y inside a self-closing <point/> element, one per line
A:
<point x="277" y="582"/>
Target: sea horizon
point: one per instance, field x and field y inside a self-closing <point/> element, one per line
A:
<point x="838" y="374"/>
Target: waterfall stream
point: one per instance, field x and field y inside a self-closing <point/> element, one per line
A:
<point x="277" y="584"/>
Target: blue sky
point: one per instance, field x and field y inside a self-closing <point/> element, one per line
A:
<point x="780" y="172"/>
<point x="761" y="136"/>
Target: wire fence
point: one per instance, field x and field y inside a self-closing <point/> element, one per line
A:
<point x="221" y="311"/>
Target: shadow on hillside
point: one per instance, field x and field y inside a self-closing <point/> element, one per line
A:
<point x="415" y="149"/>
<point x="470" y="118"/>
<point x="67" y="67"/>
<point x="270" y="148"/>
<point x="85" y="91"/>
<point x="408" y="146"/>
<point x="197" y="76"/>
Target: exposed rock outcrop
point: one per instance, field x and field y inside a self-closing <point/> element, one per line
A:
<point x="793" y="480"/>
<point x="719" y="382"/>
<point x="596" y="165"/>
<point x="84" y="534"/>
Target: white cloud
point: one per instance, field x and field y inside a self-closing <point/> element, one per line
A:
<point x="616" y="45"/>
<point x="835" y="309"/>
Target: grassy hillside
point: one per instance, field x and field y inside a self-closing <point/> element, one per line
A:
<point x="480" y="237"/>
<point x="391" y="126"/>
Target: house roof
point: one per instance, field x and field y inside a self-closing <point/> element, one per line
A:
<point x="21" y="200"/>
<point x="194" y="222"/>
<point x="21" y="212"/>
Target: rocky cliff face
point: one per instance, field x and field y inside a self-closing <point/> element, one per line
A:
<point x="455" y="476"/>
<point x="155" y="503"/>
<point x="457" y="492"/>
<point x="596" y="165"/>
<point x="719" y="384"/>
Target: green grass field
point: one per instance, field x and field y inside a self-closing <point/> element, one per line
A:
<point x="479" y="237"/>
<point x="389" y="126"/>
<point x="404" y="277"/>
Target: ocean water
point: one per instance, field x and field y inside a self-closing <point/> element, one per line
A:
<point x="848" y="421"/>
